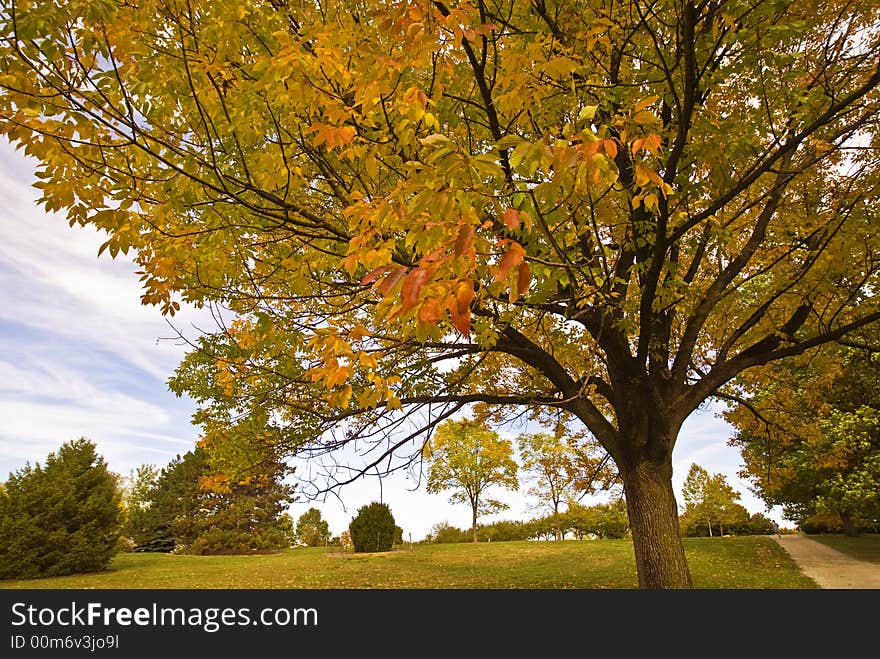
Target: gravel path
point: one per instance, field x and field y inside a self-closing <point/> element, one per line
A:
<point x="828" y="567"/>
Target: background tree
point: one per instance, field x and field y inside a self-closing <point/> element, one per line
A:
<point x="608" y="520"/>
<point x="136" y="498"/>
<point x="469" y="458"/>
<point x="608" y="210"/>
<point x="192" y="508"/>
<point x="809" y="432"/>
<point x="711" y="500"/>
<point x="60" y="518"/>
<point x="373" y="528"/>
<point x="444" y="533"/>
<point x="548" y="460"/>
<point x="311" y="529"/>
<point x="170" y="506"/>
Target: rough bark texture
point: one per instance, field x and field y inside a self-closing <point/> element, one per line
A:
<point x="653" y="518"/>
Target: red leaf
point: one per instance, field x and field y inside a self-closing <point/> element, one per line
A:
<point x="461" y="321"/>
<point x="430" y="312"/>
<point x="374" y="274"/>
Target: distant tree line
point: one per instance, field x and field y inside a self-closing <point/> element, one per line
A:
<point x="598" y="521"/>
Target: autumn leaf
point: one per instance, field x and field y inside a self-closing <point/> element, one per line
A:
<point x="409" y="292"/>
<point x="511" y="219"/>
<point x="524" y="279"/>
<point x="430" y="312"/>
<point x="464" y="239"/>
<point x="512" y="258"/>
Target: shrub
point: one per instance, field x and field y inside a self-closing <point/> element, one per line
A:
<point x="373" y="528"/>
<point x="61" y="518"/>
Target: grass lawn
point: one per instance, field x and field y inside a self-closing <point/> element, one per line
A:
<point x="863" y="547"/>
<point x="744" y="562"/>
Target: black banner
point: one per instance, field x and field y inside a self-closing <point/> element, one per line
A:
<point x="394" y="622"/>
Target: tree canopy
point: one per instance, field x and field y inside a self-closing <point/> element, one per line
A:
<point x="809" y="432"/>
<point x="312" y="529"/>
<point x="710" y="500"/>
<point x="600" y="210"/>
<point x="469" y="458"/>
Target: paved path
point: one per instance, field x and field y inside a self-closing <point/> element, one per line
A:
<point x="828" y="567"/>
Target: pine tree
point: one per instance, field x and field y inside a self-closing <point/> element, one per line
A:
<point x="60" y="518"/>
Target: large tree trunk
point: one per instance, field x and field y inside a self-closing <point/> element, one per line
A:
<point x="474" y="523"/>
<point x="653" y="518"/>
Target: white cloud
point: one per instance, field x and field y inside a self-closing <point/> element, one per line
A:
<point x="80" y="354"/>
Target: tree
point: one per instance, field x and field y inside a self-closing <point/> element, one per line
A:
<point x="137" y="502"/>
<point x="711" y="500"/>
<point x="60" y="518"/>
<point x="444" y="533"/>
<point x="607" y="211"/>
<point x="561" y="468"/>
<point x="549" y="462"/>
<point x="469" y="458"/>
<point x="311" y="529"/>
<point x="607" y="520"/>
<point x="193" y="508"/>
<point x="373" y="528"/>
<point x="809" y="432"/>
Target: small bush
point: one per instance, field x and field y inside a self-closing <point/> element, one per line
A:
<point x="373" y="528"/>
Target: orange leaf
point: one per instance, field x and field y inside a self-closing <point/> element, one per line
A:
<point x="464" y="240"/>
<point x="644" y="103"/>
<point x="461" y="320"/>
<point x="391" y="280"/>
<point x="409" y="292"/>
<point x="464" y="295"/>
<point x="524" y="278"/>
<point x="511" y="219"/>
<point x="609" y="146"/>
<point x="512" y="258"/>
<point x="430" y="312"/>
<point x="652" y="143"/>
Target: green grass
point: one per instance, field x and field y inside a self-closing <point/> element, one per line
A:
<point x="745" y="562"/>
<point x="863" y="547"/>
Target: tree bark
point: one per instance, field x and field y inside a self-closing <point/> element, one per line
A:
<point x="849" y="526"/>
<point x="474" y="523"/>
<point x="653" y="518"/>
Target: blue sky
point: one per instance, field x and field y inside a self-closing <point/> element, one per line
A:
<point x="80" y="356"/>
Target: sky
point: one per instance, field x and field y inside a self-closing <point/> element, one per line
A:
<point x="81" y="357"/>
